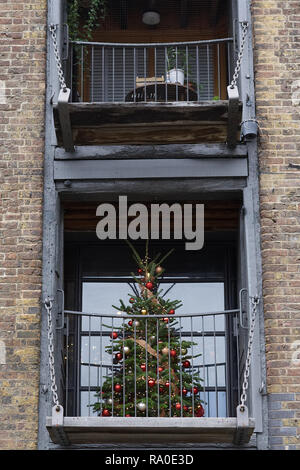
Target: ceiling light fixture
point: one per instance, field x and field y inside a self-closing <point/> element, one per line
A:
<point x="151" y="16"/>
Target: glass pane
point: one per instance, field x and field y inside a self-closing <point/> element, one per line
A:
<point x="94" y="355"/>
<point x="199" y="298"/>
<point x="98" y="297"/>
<point x="214" y="404"/>
<point x="87" y="398"/>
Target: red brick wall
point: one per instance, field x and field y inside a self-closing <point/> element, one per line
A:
<point x="277" y="78"/>
<point x="22" y="87"/>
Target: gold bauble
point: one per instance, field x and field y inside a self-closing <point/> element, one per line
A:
<point x="144" y="311"/>
<point x="165" y="351"/>
<point x="158" y="270"/>
<point x="183" y="351"/>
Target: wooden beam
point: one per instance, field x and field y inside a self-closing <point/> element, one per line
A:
<point x="97" y="114"/>
<point x="234" y="116"/>
<point x="151" y="189"/>
<point x="120" y="152"/>
<point x="64" y="119"/>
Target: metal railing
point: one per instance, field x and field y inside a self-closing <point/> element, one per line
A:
<point x="150" y="72"/>
<point x="149" y="365"/>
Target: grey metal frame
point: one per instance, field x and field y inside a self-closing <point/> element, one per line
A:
<point x="52" y="219"/>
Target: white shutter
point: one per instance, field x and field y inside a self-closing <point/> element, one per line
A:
<point x="115" y="71"/>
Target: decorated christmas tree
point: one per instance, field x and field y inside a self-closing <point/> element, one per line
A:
<point x="153" y="374"/>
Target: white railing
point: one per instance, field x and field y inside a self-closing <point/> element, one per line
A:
<point x="149" y="365"/>
<point x="152" y="72"/>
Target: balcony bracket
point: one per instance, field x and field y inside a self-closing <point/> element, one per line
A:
<point x="58" y="431"/>
<point x="242" y="425"/>
<point x="64" y="119"/>
<point x="233" y="115"/>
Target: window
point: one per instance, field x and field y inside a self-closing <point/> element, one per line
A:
<point x="205" y="282"/>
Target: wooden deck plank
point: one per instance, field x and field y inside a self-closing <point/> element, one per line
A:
<point x="144" y="123"/>
<point x="93" y="430"/>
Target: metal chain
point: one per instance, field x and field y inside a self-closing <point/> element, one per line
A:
<point x="60" y="72"/>
<point x="240" y="55"/>
<point x="255" y="302"/>
<point x="48" y="306"/>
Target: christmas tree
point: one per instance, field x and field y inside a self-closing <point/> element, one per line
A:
<point x="153" y="374"/>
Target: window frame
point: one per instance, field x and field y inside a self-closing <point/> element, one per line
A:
<point x="229" y="278"/>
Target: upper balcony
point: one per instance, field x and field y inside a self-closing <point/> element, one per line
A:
<point x="140" y="84"/>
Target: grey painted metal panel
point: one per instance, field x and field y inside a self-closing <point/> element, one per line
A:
<point x="258" y="403"/>
<point x="51" y="229"/>
<point x="172" y="168"/>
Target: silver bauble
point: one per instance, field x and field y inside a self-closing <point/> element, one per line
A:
<point x="141" y="406"/>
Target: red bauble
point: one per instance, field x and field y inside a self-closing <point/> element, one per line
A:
<point x="199" y="411"/>
<point x="151" y="382"/>
<point x="131" y="300"/>
<point x="186" y="363"/>
<point x="173" y="353"/>
<point x="127" y="416"/>
<point x="114" y="335"/>
<point x="185" y="408"/>
<point x="195" y="390"/>
<point x="105" y="412"/>
<point x="184" y="391"/>
<point x="149" y="285"/>
<point x="119" y="356"/>
<point x="161" y="390"/>
<point x="130" y="323"/>
<point x="160" y="369"/>
<point x="140" y="271"/>
<point x="117" y="388"/>
<point x="166" y="320"/>
<point x="178" y="406"/>
<point x="143" y="367"/>
<point x="167" y="384"/>
<point x="172" y="311"/>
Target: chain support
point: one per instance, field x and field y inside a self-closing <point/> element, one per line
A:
<point x="48" y="306"/>
<point x="240" y="55"/>
<point x="53" y="29"/>
<point x="253" y="311"/>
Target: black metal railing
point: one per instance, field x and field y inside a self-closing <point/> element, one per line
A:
<point x="149" y="365"/>
<point x="151" y="72"/>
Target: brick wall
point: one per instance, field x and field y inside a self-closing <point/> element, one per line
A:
<point x="22" y="87"/>
<point x="277" y="76"/>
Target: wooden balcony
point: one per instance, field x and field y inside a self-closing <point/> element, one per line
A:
<point x="128" y="94"/>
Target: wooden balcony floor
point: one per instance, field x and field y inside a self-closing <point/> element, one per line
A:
<point x="99" y="430"/>
<point x="144" y="123"/>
